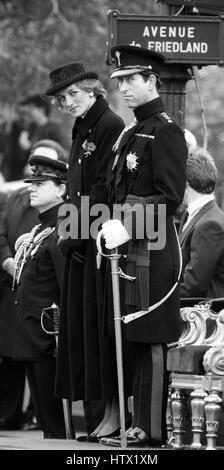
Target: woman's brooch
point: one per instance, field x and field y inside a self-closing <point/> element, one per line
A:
<point x="88" y="147"/>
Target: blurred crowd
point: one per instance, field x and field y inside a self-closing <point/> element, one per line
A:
<point x="32" y="121"/>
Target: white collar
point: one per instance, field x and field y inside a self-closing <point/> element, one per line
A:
<point x="195" y="206"/>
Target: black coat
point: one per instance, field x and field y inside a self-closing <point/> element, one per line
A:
<point x="202" y="244"/>
<point x="160" y="151"/>
<point x="86" y="359"/>
<point x="38" y="288"/>
<point x="17" y="217"/>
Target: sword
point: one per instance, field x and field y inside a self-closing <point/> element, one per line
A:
<point x="69" y="432"/>
<point x="114" y="257"/>
<point x="116" y="272"/>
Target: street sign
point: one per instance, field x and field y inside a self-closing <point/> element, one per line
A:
<point x="188" y="39"/>
<point x="209" y="6"/>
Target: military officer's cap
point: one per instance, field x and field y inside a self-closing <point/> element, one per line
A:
<point x="45" y="168"/>
<point x="133" y="59"/>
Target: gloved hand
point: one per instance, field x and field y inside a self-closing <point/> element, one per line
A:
<point x="115" y="233"/>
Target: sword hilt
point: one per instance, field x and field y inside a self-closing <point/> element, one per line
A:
<point x="52" y="315"/>
<point x="113" y="253"/>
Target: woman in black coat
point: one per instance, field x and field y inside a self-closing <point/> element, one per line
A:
<point x="86" y="368"/>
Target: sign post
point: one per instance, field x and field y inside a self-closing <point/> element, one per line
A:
<point x="202" y="6"/>
<point x="185" y="40"/>
<point x="197" y="40"/>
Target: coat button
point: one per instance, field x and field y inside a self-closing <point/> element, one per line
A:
<point x="16" y="302"/>
<point x="79" y="161"/>
<point x="78" y="193"/>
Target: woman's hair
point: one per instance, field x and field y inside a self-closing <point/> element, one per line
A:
<point x="201" y="171"/>
<point x="89" y="85"/>
<point x="93" y="85"/>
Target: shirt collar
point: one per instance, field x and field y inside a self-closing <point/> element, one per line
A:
<point x="195" y="206"/>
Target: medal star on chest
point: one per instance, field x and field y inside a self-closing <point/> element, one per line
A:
<point x="132" y="161"/>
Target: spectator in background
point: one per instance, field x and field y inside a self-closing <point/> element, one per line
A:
<point x="41" y="126"/>
<point x="33" y="123"/>
<point x="16" y="217"/>
<point x="12" y="375"/>
<point x="191" y="144"/>
<point x="15" y="144"/>
<point x="202" y="230"/>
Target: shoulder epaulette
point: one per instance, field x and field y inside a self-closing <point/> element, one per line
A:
<point x="166" y="117"/>
<point x="147" y="136"/>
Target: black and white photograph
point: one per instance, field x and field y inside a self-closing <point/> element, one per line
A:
<point x="111" y="232"/>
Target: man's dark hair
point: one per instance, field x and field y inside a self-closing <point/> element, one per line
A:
<point x="146" y="75"/>
<point x="201" y="171"/>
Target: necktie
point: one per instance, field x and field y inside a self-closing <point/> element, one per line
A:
<point x="183" y="221"/>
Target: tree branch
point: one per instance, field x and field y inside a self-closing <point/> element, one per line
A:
<point x="56" y="12"/>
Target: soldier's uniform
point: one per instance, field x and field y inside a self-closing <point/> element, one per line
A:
<point x="149" y="168"/>
<point x="38" y="276"/>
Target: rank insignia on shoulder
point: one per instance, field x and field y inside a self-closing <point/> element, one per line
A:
<point x="148" y="136"/>
<point x="165" y="116"/>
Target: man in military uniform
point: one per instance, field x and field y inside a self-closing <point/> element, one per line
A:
<point x="37" y="279"/>
<point x="17" y="216"/>
<point x="149" y="169"/>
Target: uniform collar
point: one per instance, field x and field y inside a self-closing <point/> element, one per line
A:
<point x="148" y="109"/>
<point x="50" y="215"/>
<point x="83" y="125"/>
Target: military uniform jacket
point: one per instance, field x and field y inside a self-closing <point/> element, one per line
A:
<point x="150" y="163"/>
<point x="38" y="288"/>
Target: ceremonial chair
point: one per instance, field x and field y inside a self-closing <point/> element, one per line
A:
<point x="196" y="365"/>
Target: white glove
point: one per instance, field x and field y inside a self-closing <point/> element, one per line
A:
<point x="115" y="233"/>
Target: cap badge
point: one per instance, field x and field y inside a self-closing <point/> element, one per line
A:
<point x="118" y="55"/>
